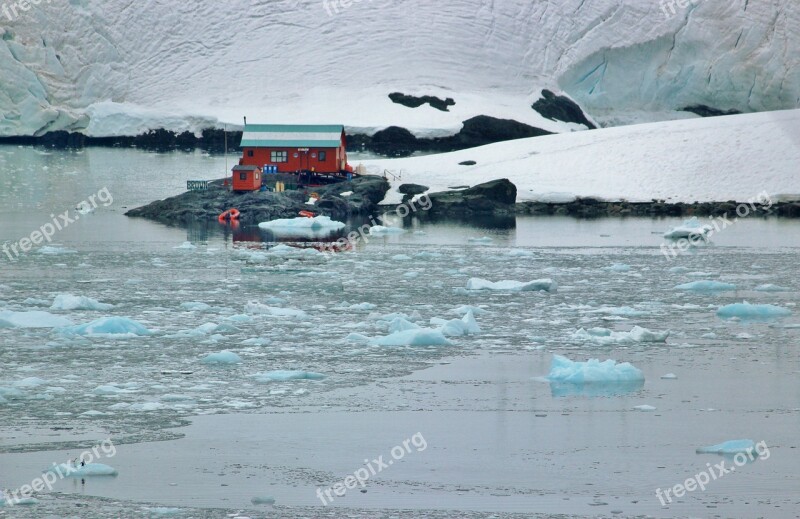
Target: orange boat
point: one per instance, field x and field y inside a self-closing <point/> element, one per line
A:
<point x="307" y="214"/>
<point x="229" y="215"/>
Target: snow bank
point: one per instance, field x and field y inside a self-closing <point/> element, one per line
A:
<point x="284" y="376"/>
<point x="747" y="311"/>
<point x="110" y="327"/>
<point x="545" y="285"/>
<point x="71" y="302"/>
<point x="222" y="358"/>
<point x="35" y="319"/>
<point x="592" y="371"/>
<point x="706" y="286"/>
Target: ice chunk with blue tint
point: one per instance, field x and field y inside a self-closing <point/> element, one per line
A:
<point x="195" y="306"/>
<point x="605" y="337"/>
<point x="400" y="324"/>
<point x="35" y="319"/>
<point x="71" y="302"/>
<point x="592" y="371"/>
<point x="729" y="447"/>
<point x="110" y="327"/>
<point x="419" y="337"/>
<point x="747" y="311"/>
<point x="771" y="288"/>
<point x="222" y="358"/>
<point x="691" y="228"/>
<point x="55" y="250"/>
<point x="543" y="285"/>
<point x="619" y="267"/>
<point x="706" y="286"/>
<point x="89" y="470"/>
<point x="286" y="375"/>
<point x="30" y="382"/>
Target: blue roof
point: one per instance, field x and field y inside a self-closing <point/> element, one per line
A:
<point x="292" y="135"/>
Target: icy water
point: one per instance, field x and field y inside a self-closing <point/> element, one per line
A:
<point x="199" y="440"/>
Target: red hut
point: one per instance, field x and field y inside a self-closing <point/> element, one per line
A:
<point x="295" y="148"/>
<point x="246" y="178"/>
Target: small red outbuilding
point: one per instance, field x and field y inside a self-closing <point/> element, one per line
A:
<point x="246" y="178"/>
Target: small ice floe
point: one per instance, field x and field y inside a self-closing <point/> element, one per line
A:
<point x="691" y="228"/>
<point x="35" y="319"/>
<point x="163" y="511"/>
<point x="263" y="500"/>
<point x="604" y="336"/>
<point x="618" y="267"/>
<point x="84" y="208"/>
<point x="195" y="306"/>
<point x="619" y="311"/>
<point x="706" y="286"/>
<point x="644" y="408"/>
<point x="30" y="382"/>
<point x="286" y="375"/>
<point x="678" y="270"/>
<point x="416" y="337"/>
<point x="593" y="378"/>
<point x="222" y="358"/>
<point x="357" y="338"/>
<point x="401" y="257"/>
<point x="467" y="325"/>
<point x="111" y="327"/>
<point x="749" y="312"/>
<point x="70" y="470"/>
<point x="257" y="341"/>
<point x="539" y="285"/>
<point x="485" y="240"/>
<point x="729" y="447"/>
<point x="461" y="310"/>
<point x="187" y="245"/>
<point x="400" y="324"/>
<point x="771" y="288"/>
<point x="9" y="501"/>
<point x="669" y="376"/>
<point x="318" y="222"/>
<point x="288" y="313"/>
<point x="55" y="250"/>
<point x="71" y="302"/>
<point x="110" y="389"/>
<point x="520" y="253"/>
<point x="380" y="230"/>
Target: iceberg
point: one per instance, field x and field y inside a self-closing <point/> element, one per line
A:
<point x="222" y="358"/>
<point x="89" y="470"/>
<point x="71" y="302"/>
<point x="110" y="327"/>
<point x="731" y="447"/>
<point x="605" y="337"/>
<point x="691" y="228"/>
<point x="593" y="371"/>
<point x="418" y="337"/>
<point x="544" y="285"/>
<point x="400" y="324"/>
<point x="286" y="375"/>
<point x="706" y="286"/>
<point x="749" y="312"/>
<point x="316" y="223"/>
<point x="35" y="319"/>
<point x="380" y="230"/>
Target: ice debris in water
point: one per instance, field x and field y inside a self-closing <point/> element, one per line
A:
<point x="110" y="327"/>
<point x="195" y="306"/>
<point x="690" y="228"/>
<point x="88" y="470"/>
<point x="645" y="408"/>
<point x="286" y="375"/>
<point x="619" y="267"/>
<point x="35" y="319"/>
<point x="416" y="337"/>
<point x="318" y="222"/>
<point x="669" y="376"/>
<point x="749" y="311"/>
<point x="54" y="250"/>
<point x="71" y="302"/>
<point x="604" y="336"/>
<point x="546" y="285"/>
<point x="592" y="371"/>
<point x="222" y="358"/>
<point x="484" y="240"/>
<point x="706" y="286"/>
<point x="187" y="245"/>
<point x="729" y="447"/>
<point x="771" y="288"/>
<point x="380" y="230"/>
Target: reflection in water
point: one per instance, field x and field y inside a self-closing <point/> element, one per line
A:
<point x="588" y="389"/>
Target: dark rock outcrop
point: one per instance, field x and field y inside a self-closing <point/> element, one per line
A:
<point x="495" y="197"/>
<point x="467" y="163"/>
<point x="707" y="111"/>
<point x="257" y="207"/>
<point x="561" y="108"/>
<point x="415" y="101"/>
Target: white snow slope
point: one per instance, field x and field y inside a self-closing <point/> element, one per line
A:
<point x="116" y="67"/>
<point x="735" y="157"/>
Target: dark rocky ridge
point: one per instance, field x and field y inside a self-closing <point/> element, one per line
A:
<point x="561" y="108"/>
<point x="417" y="101"/>
<point x="707" y="111"/>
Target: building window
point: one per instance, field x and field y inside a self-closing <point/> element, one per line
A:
<point x="242" y="176"/>
<point x="323" y="156"/>
<point x="249" y="153"/>
<point x="279" y="156"/>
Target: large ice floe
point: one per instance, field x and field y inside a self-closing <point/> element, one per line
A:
<point x="731" y="447"/>
<point x="112" y="327"/>
<point x="691" y="228"/>
<point x="593" y="378"/>
<point x="35" y="319"/>
<point x="750" y="312"/>
<point x="538" y="285"/>
<point x="606" y="337"/>
<point x="413" y="337"/>
<point x="706" y="286"/>
<point x="286" y="375"/>
<point x="317" y="227"/>
<point x="89" y="470"/>
<point x="222" y="358"/>
<point x="71" y="302"/>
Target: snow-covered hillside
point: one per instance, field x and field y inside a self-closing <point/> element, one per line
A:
<point x="723" y="158"/>
<point x="116" y="67"/>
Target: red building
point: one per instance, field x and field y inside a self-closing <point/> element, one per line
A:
<point x="246" y="178"/>
<point x="321" y="149"/>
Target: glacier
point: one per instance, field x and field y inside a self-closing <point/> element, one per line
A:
<point x="116" y="68"/>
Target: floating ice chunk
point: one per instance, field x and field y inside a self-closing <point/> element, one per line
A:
<point x="771" y="288"/>
<point x="362" y="307"/>
<point x="729" y="447"/>
<point x="35" y="319"/>
<point x="164" y="511"/>
<point x="592" y="371"/>
<point x="11" y="393"/>
<point x="110" y="327"/>
<point x="452" y="328"/>
<point x="640" y="334"/>
<point x="706" y="286"/>
<point x="669" y="376"/>
<point x="471" y="324"/>
<point x="71" y="302"/>
<point x="520" y="253"/>
<point x="401" y="257"/>
<point x="54" y="250"/>
<point x="691" y="228"/>
<point x="264" y="500"/>
<point x="461" y="310"/>
<point x="30" y="382"/>
<point x="619" y="267"/>
<point x="419" y="337"/>
<point x="16" y="501"/>
<point x="318" y="222"/>
<point x="485" y="240"/>
<point x="110" y="390"/>
<point x="646" y="408"/>
<point x="195" y="306"/>
<point x="289" y="313"/>
<point x="357" y="338"/>
<point x="286" y="375"/>
<point x="256" y="342"/>
<point x="187" y="245"/>
<point x="679" y="270"/>
<point x="399" y="324"/>
<point x="239" y="318"/>
<point x="603" y="336"/>
<point x="380" y="230"/>
<point x="747" y="311"/>
<point x="620" y="311"/>
<point x="89" y="470"/>
<point x="223" y="358"/>
<point x="546" y="285"/>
